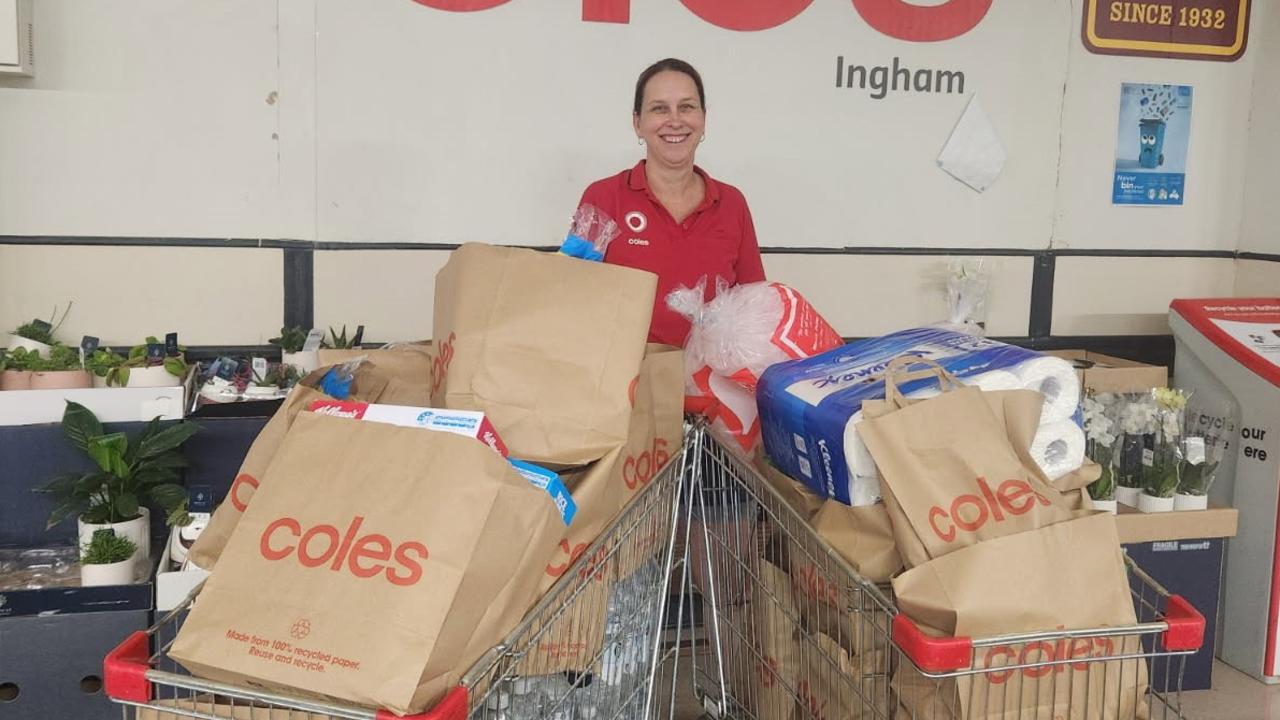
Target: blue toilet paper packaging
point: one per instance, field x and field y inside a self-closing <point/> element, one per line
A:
<point x="806" y="404"/>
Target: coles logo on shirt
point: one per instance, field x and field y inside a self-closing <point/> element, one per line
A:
<point x="636" y="222"/>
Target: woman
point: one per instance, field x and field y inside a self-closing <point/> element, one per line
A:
<point x="673" y="219"/>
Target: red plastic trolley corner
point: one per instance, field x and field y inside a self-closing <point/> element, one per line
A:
<point x="452" y="707"/>
<point x="1186" y="625"/>
<point x="124" y="671"/>
<point x="931" y="654"/>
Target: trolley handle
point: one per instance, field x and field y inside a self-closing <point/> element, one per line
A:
<point x="124" y="677"/>
<point x="1184" y="632"/>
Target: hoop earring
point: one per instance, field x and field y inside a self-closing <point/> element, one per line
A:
<point x="702" y="138"/>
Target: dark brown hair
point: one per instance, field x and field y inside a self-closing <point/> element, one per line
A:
<point x="673" y="65"/>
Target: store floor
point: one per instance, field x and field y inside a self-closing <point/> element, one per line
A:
<point x="1235" y="696"/>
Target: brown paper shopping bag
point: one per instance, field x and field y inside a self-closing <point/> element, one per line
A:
<point x="206" y="707"/>
<point x="601" y="491"/>
<point x="1066" y="576"/>
<point x="762" y="657"/>
<point x="948" y="470"/>
<point x="546" y="345"/>
<point x="835" y="685"/>
<point x="406" y="365"/>
<point x="375" y="564"/>
<point x="368" y="384"/>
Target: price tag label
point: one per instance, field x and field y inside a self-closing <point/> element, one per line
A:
<point x="1195" y="450"/>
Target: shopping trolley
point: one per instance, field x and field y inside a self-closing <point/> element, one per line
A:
<point x="795" y="632"/>
<point x="636" y="553"/>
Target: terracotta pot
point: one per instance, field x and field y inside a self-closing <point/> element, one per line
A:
<point x="61" y="380"/>
<point x="15" y="380"/>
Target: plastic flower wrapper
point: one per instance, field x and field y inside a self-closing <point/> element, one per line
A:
<point x="1162" y="452"/>
<point x="1136" y="415"/>
<point x="590" y="233"/>
<point x="1101" y="428"/>
<point x="967" y="284"/>
<point x="1210" y="431"/>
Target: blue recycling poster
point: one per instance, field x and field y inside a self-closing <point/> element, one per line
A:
<point x="1151" y="145"/>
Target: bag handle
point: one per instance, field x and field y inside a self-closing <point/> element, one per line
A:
<point x="898" y="371"/>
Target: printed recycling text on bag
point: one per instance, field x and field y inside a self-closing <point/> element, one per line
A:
<point x="375" y="565"/>
<point x="1070" y="576"/>
<point x="546" y="345"/>
<point x="949" y="472"/>
<point x="369" y="384"/>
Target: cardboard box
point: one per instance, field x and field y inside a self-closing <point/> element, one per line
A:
<point x="468" y="423"/>
<point x="1104" y="373"/>
<point x="1140" y="527"/>
<point x="33" y="407"/>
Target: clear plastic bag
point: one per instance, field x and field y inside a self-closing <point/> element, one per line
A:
<point x="747" y="328"/>
<point x="590" y="233"/>
<point x="967" y="287"/>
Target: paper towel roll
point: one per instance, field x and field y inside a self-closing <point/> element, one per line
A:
<point x="994" y="381"/>
<point x="1056" y="380"/>
<point x="864" y="479"/>
<point x="1058" y="448"/>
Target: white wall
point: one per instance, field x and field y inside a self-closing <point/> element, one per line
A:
<point x="391" y="121"/>
<point x="1260" y="231"/>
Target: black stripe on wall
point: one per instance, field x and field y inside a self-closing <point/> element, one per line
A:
<point x="1041" y="320"/>
<point x="299" y="287"/>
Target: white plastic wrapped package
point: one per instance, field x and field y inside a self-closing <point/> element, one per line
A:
<point x="809" y="409"/>
<point x="747" y="328"/>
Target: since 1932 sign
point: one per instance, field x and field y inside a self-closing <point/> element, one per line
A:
<point x="1187" y="29"/>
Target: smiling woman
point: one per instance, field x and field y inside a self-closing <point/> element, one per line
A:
<point x="680" y="223"/>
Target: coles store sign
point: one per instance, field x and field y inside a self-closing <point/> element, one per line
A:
<point x="896" y="18"/>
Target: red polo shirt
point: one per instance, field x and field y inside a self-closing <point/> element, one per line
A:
<point x="716" y="240"/>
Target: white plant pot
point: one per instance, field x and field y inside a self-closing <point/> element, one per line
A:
<point x="1127" y="495"/>
<point x="1152" y="504"/>
<point x="17" y="341"/>
<point x="99" y="382"/>
<point x="1183" y="501"/>
<point x="254" y="392"/>
<point x="305" y="360"/>
<point x="150" y="377"/>
<point x="121" y="573"/>
<point x="138" y="530"/>
<point x="1104" y="505"/>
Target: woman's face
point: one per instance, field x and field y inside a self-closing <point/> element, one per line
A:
<point x="671" y="119"/>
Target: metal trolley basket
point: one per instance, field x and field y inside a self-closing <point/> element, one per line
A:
<point x="795" y="632"/>
<point x="635" y="553"/>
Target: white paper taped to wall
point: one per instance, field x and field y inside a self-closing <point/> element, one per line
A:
<point x="973" y="154"/>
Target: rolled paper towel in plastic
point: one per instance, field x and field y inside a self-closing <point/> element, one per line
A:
<point x="1058" y="448"/>
<point x="1056" y="380"/>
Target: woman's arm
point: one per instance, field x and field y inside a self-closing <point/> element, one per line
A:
<point x="750" y="267"/>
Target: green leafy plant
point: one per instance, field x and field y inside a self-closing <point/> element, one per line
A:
<point x="22" y="359"/>
<point x="338" y="342"/>
<point x="119" y="376"/>
<point x="128" y="472"/>
<point x="106" y="548"/>
<point x="291" y="339"/>
<point x="43" y="332"/>
<point x="271" y="379"/>
<point x="102" y="362"/>
<point x="61" y="358"/>
<point x="4" y="359"/>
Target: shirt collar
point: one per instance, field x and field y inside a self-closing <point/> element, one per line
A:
<point x="639" y="181"/>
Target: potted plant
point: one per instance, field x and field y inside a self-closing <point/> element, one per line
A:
<point x="15" y="373"/>
<point x="1137" y="414"/>
<point x="291" y="342"/>
<point x="107" y="559"/>
<point x="60" y="371"/>
<point x="1162" y="458"/>
<point x="128" y="474"/>
<point x="1100" y="446"/>
<point x="264" y="387"/>
<point x="139" y="370"/>
<point x="1209" y="434"/>
<point x="37" y="335"/>
<point x="101" y="363"/>
<point x="340" y="342"/>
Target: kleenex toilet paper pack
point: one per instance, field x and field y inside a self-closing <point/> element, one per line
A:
<point x="808" y="407"/>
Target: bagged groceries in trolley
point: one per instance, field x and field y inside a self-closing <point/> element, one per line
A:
<point x="810" y="409"/>
<point x="734" y="337"/>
